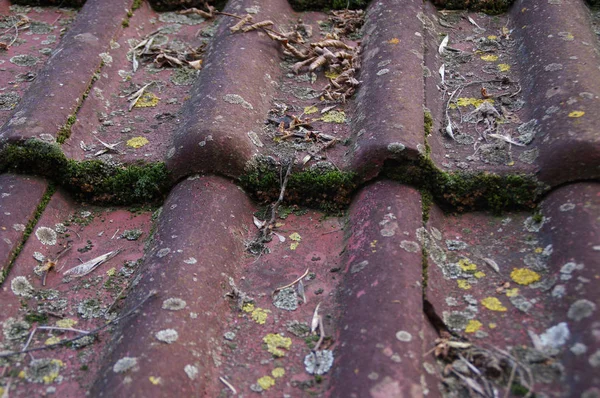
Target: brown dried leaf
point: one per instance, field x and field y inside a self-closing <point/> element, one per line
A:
<point x="331" y="43"/>
<point x="320" y="61"/>
<point x="238" y="26"/>
<point x="258" y="25"/>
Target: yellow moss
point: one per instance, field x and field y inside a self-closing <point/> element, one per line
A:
<point x="493" y="304"/>
<point x="463" y="284"/>
<point x="310" y="109"/>
<point x="278" y="372"/>
<point x="260" y="315"/>
<point x="154" y="380"/>
<point x="466" y="265"/>
<point x="331" y="74"/>
<point x="52" y="340"/>
<point x="147" y="100"/>
<point x="66" y="323"/>
<point x="479" y="274"/>
<point x="473" y="326"/>
<point x="492" y="37"/>
<point x="137" y="142"/>
<point x="503" y="67"/>
<point x="111" y="272"/>
<point x="512" y="292"/>
<point x="275" y="342"/>
<point x="266" y="382"/>
<point x="489" y="58"/>
<point x="476" y="102"/>
<point x="395" y="40"/>
<point x="576" y="114"/>
<point x="248" y="307"/>
<point x="334" y="117"/>
<point x="524" y="276"/>
<point x="492" y="325"/>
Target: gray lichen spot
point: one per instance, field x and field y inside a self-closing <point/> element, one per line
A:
<point x="286" y="299"/>
<point x="404" y="336"/>
<point x="396" y="147"/>
<point x="19" y="227"/>
<point x="173" y="304"/>
<point x="531" y="224"/>
<point x="183" y="19"/>
<point x="255" y="139"/>
<point x="521" y="303"/>
<point x="191" y="371"/>
<point x="594" y="359"/>
<point x="567" y="207"/>
<point x="191" y="260"/>
<point x="131" y="234"/>
<point x="90" y="308"/>
<point x="8" y="101"/>
<point x="106" y="58"/>
<point x="163" y="252"/>
<point x="578" y="349"/>
<point x="44" y="370"/>
<point x="454" y="245"/>
<point x="383" y="72"/>
<point x="318" y="362"/>
<point x="24" y="60"/>
<point x="124" y="364"/>
<point x="15" y="330"/>
<point x="529" y="156"/>
<point x="40" y="28"/>
<point x="593" y="392"/>
<point x="373" y="376"/>
<point x="553" y="67"/>
<point x="237" y="100"/>
<point x="409" y="246"/>
<point x="358" y="267"/>
<point x="168" y="336"/>
<point x="527" y="131"/>
<point x="230" y="336"/>
<point x="183" y="76"/>
<point x="455" y="320"/>
<point x="20" y="286"/>
<point x="298" y="329"/>
<point x="46" y="235"/>
<point x="451" y="302"/>
<point x="556" y="336"/>
<point x="581" y="309"/>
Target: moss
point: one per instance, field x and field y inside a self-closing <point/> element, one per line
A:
<point x="136" y="4"/>
<point x="37" y="317"/>
<point x="427" y="122"/>
<point x="305" y="5"/>
<point x="125" y="22"/>
<point x="65" y="131"/>
<point x="90" y="180"/>
<point x="488" y="6"/>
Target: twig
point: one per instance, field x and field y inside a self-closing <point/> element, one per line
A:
<point x="90" y="333"/>
<point x="275" y="206"/>
<point x="291" y="284"/>
<point x="321" y="334"/>
<point x="232" y="388"/>
<point x="510" y="380"/>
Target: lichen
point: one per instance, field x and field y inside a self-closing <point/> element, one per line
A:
<point x="466" y="265"/>
<point x="286" y="299"/>
<point x="15" y="330"/>
<point x="266" y="382"/>
<point x="276" y="342"/>
<point x="493" y="304"/>
<point x="318" y="362"/>
<point x="168" y="336"/>
<point x="124" y="364"/>
<point x="581" y="309"/>
<point x="524" y="276"/>
<point x="334" y="117"/>
<point x="173" y="304"/>
<point x="278" y="372"/>
<point x="473" y="326"/>
<point x="147" y="100"/>
<point x="20" y="286"/>
<point x="47" y="236"/>
<point x="137" y="142"/>
<point x="45" y="370"/>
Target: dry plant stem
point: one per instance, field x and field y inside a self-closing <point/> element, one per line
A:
<point x="291" y="284"/>
<point x="510" y="380"/>
<point x="224" y="381"/>
<point x="84" y="333"/>
<point x="321" y="334"/>
<point x="275" y="206"/>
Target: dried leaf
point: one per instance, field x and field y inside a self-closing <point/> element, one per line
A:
<point x="442" y="72"/>
<point x="89" y="266"/>
<point x="301" y="292"/>
<point x="241" y="23"/>
<point x="505" y="138"/>
<point x="449" y="130"/>
<point x="443" y="44"/>
<point x="134" y="62"/>
<point x="257" y="25"/>
<point x="474" y="23"/>
<point x="314" y="324"/>
<point x="306" y="159"/>
<point x="331" y="43"/>
<point x="197" y="64"/>
<point x="280" y="237"/>
<point x="259" y="223"/>
<point x="320" y="61"/>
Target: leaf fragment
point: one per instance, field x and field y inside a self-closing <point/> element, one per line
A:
<point x="89" y="266"/>
<point x="443" y="44"/>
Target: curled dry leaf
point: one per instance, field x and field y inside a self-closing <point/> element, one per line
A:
<point x="258" y="25"/>
<point x="443" y="44"/>
<point x="89" y="266"/>
<point x="258" y="223"/>
<point x="314" y="323"/>
<point x="238" y="26"/>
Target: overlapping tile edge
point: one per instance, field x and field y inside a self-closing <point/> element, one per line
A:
<point x="379" y="381"/>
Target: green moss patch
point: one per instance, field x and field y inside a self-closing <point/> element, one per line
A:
<point x="487" y="6"/>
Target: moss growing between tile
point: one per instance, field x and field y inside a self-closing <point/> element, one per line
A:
<point x="90" y="180"/>
<point x="305" y="5"/>
<point x="487" y="6"/>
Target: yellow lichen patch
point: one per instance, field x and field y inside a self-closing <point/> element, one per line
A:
<point x="260" y="315"/>
<point x="463" y="284"/>
<point x="538" y="250"/>
<point x="479" y="274"/>
<point x="1" y="391"/>
<point x="493" y="304"/>
<point x="503" y="67"/>
<point x="147" y="100"/>
<point x="492" y="37"/>
<point x="476" y="102"/>
<point x="334" y="117"/>
<point x="49" y="378"/>
<point x="489" y="58"/>
<point x="21" y="374"/>
<point x="52" y="340"/>
<point x="296" y="240"/>
<point x="154" y="380"/>
<point x="492" y="325"/>
<point x="466" y="265"/>
<point x="266" y="382"/>
<point x="111" y="272"/>
<point x="512" y="292"/>
<point x="248" y="307"/>
<point x="278" y="372"/>
<point x="137" y="142"/>
<point x="524" y="276"/>
<point x="66" y="323"/>
<point x="395" y="40"/>
<point x="310" y="109"/>
<point x="276" y="342"/>
<point x="473" y="326"/>
<point x="576" y="114"/>
<point x="332" y="74"/>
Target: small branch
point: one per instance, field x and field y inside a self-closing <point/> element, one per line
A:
<point x="269" y="226"/>
<point x="84" y="333"/>
<point x="291" y="284"/>
<point x="232" y="388"/>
